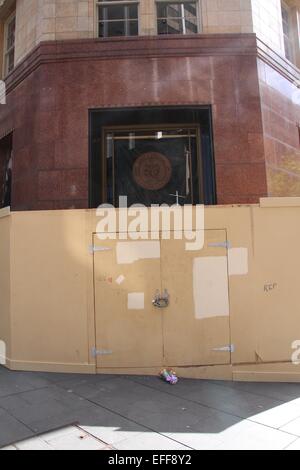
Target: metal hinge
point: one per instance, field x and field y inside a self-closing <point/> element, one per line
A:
<point x="230" y="348"/>
<point x="101" y="352"/>
<point x="226" y="244"/>
<point x="94" y="249"/>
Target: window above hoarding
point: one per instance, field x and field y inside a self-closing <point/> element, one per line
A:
<point x="118" y="18"/>
<point x="9" y="44"/>
<point x="287" y="31"/>
<point x="177" y="17"/>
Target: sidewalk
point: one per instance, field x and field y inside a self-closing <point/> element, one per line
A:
<point x="61" y="411"/>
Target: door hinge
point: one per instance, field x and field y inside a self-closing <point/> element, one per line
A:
<point x="230" y="348"/>
<point x="101" y="352"/>
<point x="94" y="249"/>
<point x="226" y="245"/>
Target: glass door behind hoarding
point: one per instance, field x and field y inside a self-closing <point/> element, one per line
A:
<point x="160" y="165"/>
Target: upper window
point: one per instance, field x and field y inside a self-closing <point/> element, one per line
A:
<point x="9" y="44"/>
<point x="118" y="18"/>
<point x="287" y="31"/>
<point x="177" y="17"/>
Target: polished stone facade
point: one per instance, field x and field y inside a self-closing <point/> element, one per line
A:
<point x="51" y="92"/>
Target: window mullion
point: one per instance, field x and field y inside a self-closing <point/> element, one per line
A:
<point x="126" y="19"/>
<point x="175" y="17"/>
<point x="9" y="48"/>
<point x="183" y="19"/>
<point x="114" y="14"/>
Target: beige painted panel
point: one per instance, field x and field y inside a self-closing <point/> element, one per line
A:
<point x="47" y="300"/>
<point x="197" y="319"/>
<point x="5" y="320"/>
<point x="128" y="327"/>
<point x="278" y="372"/>
<point x="55" y="367"/>
<point x="277" y="282"/>
<point x="238" y="222"/>
<point x="50" y="262"/>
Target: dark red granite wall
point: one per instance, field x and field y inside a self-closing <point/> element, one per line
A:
<point x="5" y="152"/>
<point x="51" y="92"/>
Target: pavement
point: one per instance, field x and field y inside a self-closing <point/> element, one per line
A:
<point x="101" y="412"/>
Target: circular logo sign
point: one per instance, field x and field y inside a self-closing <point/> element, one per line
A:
<point x="152" y="171"/>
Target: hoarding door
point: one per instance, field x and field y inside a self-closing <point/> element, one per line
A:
<point x="128" y="327"/>
<point x="196" y="323"/>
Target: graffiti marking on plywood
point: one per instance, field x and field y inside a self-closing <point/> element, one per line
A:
<point x="270" y="287"/>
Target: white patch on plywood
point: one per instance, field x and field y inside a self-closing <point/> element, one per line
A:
<point x="129" y="252"/>
<point x="120" y="279"/>
<point x="136" y="301"/>
<point x="210" y="284"/>
<point x="2" y="353"/>
<point x="238" y="261"/>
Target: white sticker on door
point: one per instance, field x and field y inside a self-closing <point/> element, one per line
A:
<point x="210" y="285"/>
<point x="120" y="279"/>
<point x="2" y="353"/>
<point x="136" y="301"/>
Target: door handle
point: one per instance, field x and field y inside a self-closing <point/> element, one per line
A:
<point x="161" y="300"/>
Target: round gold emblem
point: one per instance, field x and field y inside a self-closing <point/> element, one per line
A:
<point x="152" y="171"/>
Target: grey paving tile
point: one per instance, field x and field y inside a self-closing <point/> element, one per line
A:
<point x="11" y="430"/>
<point x="278" y="391"/>
<point x="292" y="427"/>
<point x="86" y="386"/>
<point x="159" y="411"/>
<point x="43" y="396"/>
<point x="197" y="440"/>
<point x="54" y="421"/>
<point x="68" y="438"/>
<point x="64" y="379"/>
<point x="150" y="441"/>
<point x="252" y="436"/>
<point x="107" y="426"/>
<point x="57" y="433"/>
<point x="35" y="443"/>
<point x="230" y="400"/>
<point x="280" y="415"/>
<point x="294" y="446"/>
<point x="75" y="440"/>
<point x="17" y="382"/>
<point x="46" y="409"/>
<point x="244" y="435"/>
<point x="145" y="413"/>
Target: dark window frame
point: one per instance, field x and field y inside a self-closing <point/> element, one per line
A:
<point x="287" y="31"/>
<point x="6" y="162"/>
<point x="195" y="182"/>
<point x="9" y="44"/>
<point x="183" y="18"/>
<point x="110" y="117"/>
<point x="125" y="18"/>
